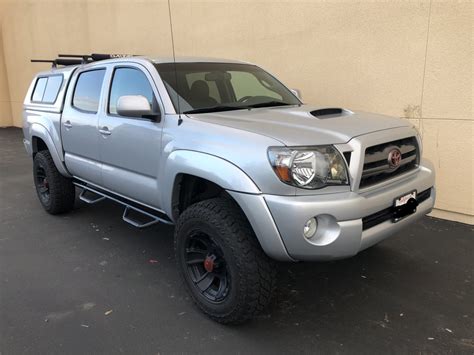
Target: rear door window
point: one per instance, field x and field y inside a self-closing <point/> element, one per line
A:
<point x="87" y="92"/>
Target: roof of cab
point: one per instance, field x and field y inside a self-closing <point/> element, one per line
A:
<point x="159" y="60"/>
<point x="154" y="60"/>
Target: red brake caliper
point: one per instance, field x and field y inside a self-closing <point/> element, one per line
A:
<point x="209" y="263"/>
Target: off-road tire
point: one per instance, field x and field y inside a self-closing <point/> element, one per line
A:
<point x="61" y="189"/>
<point x="252" y="274"/>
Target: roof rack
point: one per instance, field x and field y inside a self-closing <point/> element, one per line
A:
<point x="77" y="59"/>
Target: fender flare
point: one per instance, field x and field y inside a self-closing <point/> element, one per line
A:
<point x="210" y="167"/>
<point x="39" y="131"/>
<point x="240" y="186"/>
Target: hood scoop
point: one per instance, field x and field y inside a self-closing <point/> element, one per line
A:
<point x="330" y="112"/>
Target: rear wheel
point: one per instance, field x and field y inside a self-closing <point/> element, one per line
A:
<point x="224" y="268"/>
<point x="55" y="192"/>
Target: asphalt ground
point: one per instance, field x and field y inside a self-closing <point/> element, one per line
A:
<point x="88" y="283"/>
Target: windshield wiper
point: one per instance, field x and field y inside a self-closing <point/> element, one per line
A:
<point x="216" y="109"/>
<point x="232" y="108"/>
<point x="269" y="104"/>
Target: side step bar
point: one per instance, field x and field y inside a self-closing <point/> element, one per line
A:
<point x="83" y="197"/>
<point x="132" y="209"/>
<point x="135" y="222"/>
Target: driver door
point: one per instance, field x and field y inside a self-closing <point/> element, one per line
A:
<point x="131" y="146"/>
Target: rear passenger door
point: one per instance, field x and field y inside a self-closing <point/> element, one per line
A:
<point x="79" y="125"/>
<point x="131" y="146"/>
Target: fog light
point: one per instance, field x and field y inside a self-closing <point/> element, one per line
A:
<point x="310" y="227"/>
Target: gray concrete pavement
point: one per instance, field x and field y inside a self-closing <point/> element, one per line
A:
<point x="60" y="275"/>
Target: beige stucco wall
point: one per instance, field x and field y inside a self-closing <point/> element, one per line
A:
<point x="410" y="59"/>
<point x="5" y="111"/>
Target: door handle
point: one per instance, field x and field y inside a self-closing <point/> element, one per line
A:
<point x="105" y="131"/>
<point x="68" y="124"/>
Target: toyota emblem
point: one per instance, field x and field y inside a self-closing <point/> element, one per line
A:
<point x="394" y="158"/>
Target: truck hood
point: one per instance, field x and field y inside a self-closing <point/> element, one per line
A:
<point x="303" y="125"/>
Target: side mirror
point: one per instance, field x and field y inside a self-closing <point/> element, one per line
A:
<point x="134" y="106"/>
<point x="296" y="92"/>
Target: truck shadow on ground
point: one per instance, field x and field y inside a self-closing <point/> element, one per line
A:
<point x="412" y="293"/>
<point x="354" y="290"/>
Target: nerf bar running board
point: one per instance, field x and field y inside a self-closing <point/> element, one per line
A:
<point x="138" y="224"/>
<point x="90" y="201"/>
<point x="128" y="207"/>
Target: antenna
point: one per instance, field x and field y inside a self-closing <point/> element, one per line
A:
<point x="180" y="120"/>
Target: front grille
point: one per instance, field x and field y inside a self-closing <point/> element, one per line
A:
<point x="387" y="213"/>
<point x="347" y="156"/>
<point x="376" y="166"/>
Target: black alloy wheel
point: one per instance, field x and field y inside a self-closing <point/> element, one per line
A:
<point x="207" y="267"/>
<point x="223" y="266"/>
<point x="55" y="191"/>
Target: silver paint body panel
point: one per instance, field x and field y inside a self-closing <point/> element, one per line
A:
<point x="141" y="159"/>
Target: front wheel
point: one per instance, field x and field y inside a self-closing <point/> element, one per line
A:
<point x="55" y="192"/>
<point x="224" y="268"/>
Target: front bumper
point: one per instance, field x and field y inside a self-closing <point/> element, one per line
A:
<point x="340" y="218"/>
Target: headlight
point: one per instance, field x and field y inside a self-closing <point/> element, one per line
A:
<point x="309" y="168"/>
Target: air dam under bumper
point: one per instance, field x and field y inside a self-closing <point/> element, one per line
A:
<point x="340" y="216"/>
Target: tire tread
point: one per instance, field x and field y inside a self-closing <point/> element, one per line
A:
<point x="256" y="271"/>
<point x="62" y="190"/>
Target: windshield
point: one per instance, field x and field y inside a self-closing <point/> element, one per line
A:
<point x="212" y="87"/>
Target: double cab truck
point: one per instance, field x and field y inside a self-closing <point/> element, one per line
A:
<point x="248" y="173"/>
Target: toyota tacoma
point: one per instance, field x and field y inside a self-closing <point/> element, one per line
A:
<point x="246" y="171"/>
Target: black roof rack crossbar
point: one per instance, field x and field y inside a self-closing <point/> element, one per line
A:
<point x="67" y="61"/>
<point x="59" y="61"/>
<point x="77" y="59"/>
<point x="74" y="55"/>
<point x="96" y="56"/>
<point x="52" y="61"/>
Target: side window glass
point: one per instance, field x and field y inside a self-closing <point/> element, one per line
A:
<point x="39" y="90"/>
<point x="130" y="81"/>
<point x="87" y="92"/>
<point x="52" y="88"/>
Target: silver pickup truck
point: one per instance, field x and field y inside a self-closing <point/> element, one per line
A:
<point x="246" y="172"/>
